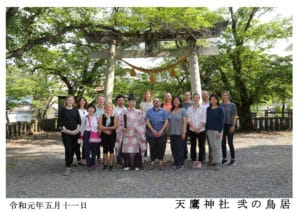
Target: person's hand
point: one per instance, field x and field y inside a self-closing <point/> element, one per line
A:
<point x="159" y="133"/>
<point x="218" y="135"/>
<point x="74" y="132"/>
<point x="64" y="130"/>
<point x="232" y="129"/>
<point x="102" y="128"/>
<point x="183" y="136"/>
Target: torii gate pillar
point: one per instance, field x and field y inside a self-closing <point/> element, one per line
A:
<point x="110" y="74"/>
<point x="194" y="67"/>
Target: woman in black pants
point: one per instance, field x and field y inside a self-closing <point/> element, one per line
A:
<point x="108" y="123"/>
<point x="69" y="123"/>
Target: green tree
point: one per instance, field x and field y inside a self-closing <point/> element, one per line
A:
<point x="242" y="64"/>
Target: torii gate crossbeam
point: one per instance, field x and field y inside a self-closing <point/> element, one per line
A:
<point x="151" y="40"/>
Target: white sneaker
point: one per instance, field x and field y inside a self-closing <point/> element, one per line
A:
<point x="136" y="169"/>
<point x="198" y="165"/>
<point x="126" y="169"/>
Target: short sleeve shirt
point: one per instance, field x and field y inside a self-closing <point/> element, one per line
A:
<point x="156" y="118"/>
<point x="230" y="111"/>
<point x="176" y="121"/>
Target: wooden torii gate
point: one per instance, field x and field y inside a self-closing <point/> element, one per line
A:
<point x="151" y="39"/>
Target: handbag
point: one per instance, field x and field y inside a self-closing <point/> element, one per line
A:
<point x="94" y="136"/>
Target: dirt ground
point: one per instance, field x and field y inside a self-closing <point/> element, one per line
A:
<point x="263" y="170"/>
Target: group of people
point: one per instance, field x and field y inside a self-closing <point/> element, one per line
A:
<point x="125" y="133"/>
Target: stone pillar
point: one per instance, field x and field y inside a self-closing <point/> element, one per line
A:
<point x="110" y="73"/>
<point x="194" y="67"/>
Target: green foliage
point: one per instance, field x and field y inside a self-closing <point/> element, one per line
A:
<point x="244" y="68"/>
<point x="48" y="53"/>
<point x="161" y="18"/>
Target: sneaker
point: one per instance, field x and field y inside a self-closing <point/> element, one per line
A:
<point x="232" y="162"/>
<point x="173" y="166"/>
<point x="217" y="167"/>
<point x="198" y="165"/>
<point x="67" y="171"/>
<point x="91" y="168"/>
<point x="224" y="161"/>
<point x="74" y="164"/>
<point x="194" y="164"/>
<point x="179" y="167"/>
<point x="126" y="168"/>
<point x="136" y="169"/>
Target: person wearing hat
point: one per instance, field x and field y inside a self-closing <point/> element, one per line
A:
<point x="131" y="139"/>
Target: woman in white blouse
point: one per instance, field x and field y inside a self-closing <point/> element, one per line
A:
<point x="91" y="137"/>
<point x="196" y="120"/>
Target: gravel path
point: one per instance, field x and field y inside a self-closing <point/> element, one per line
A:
<point x="35" y="165"/>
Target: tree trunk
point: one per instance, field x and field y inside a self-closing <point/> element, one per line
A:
<point x="6" y="115"/>
<point x="46" y="108"/>
<point x="282" y="109"/>
<point x="244" y="111"/>
<point x="245" y="117"/>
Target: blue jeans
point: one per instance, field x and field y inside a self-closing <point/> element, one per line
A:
<point x="90" y="149"/>
<point x="229" y="136"/>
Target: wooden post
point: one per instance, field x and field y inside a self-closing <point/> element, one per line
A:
<point x="110" y="74"/>
<point x="194" y="67"/>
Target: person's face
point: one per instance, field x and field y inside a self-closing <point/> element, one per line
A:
<point x="120" y="102"/>
<point x="156" y="103"/>
<point x="187" y="96"/>
<point x="168" y="97"/>
<point x="147" y="95"/>
<point x="91" y="110"/>
<point x="225" y="97"/>
<point x="176" y="102"/>
<point x="205" y="96"/>
<point x="131" y="103"/>
<point x="196" y="99"/>
<point x="82" y="103"/>
<point x="70" y="101"/>
<point x="100" y="100"/>
<point x="213" y="101"/>
<point x="108" y="108"/>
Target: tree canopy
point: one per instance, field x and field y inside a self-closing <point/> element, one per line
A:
<point x="47" y="52"/>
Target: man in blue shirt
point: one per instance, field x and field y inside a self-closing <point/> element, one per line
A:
<point x="157" y="122"/>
